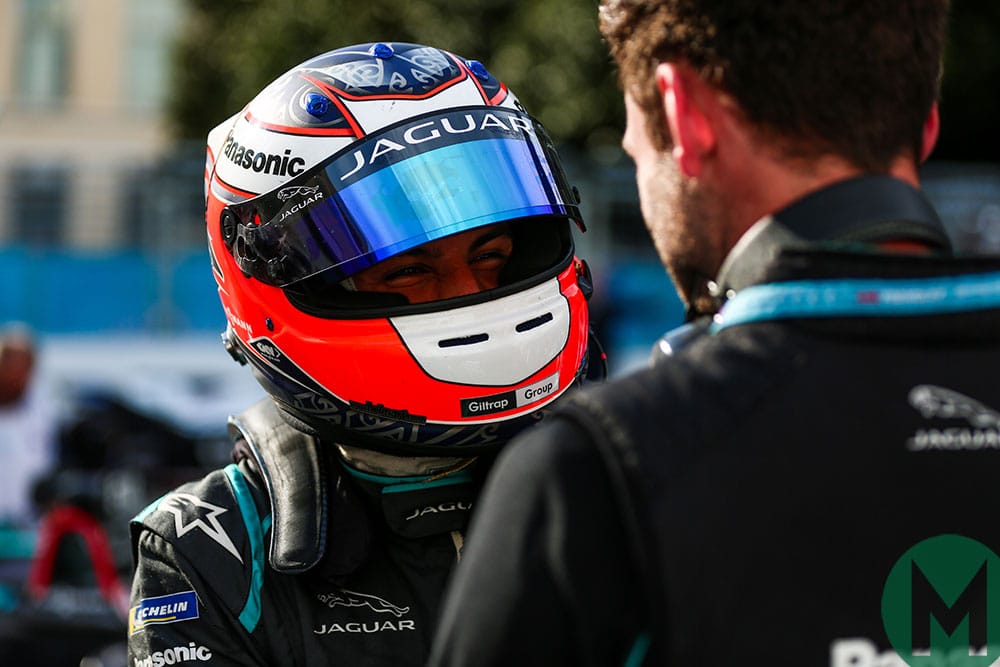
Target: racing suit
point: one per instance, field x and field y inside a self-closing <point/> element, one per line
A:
<point x="747" y="498"/>
<point x="290" y="556"/>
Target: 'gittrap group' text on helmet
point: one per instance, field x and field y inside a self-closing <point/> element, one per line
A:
<point x="358" y="155"/>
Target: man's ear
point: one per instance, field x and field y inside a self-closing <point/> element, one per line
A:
<point x="932" y="127"/>
<point x="685" y="98"/>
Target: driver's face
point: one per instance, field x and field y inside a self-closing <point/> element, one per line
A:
<point x="458" y="265"/>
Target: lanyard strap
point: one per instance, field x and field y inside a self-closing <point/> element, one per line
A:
<point x="886" y="297"/>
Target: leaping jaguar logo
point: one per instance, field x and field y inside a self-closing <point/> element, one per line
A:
<point x="285" y="194"/>
<point x="933" y="401"/>
<point x="352" y="599"/>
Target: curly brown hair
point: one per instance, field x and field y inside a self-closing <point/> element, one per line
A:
<point x="854" y="78"/>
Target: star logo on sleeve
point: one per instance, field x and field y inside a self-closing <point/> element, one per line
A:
<point x="192" y="513"/>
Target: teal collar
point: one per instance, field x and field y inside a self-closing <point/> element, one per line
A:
<point x="391" y="484"/>
<point x="883" y="297"/>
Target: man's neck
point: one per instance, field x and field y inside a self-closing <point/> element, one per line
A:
<point x="770" y="184"/>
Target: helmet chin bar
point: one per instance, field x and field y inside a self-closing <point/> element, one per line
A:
<point x="498" y="342"/>
<point x="394" y="431"/>
<point x="330" y="433"/>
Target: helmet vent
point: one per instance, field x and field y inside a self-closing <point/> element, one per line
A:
<point x="464" y="340"/>
<point x="533" y="323"/>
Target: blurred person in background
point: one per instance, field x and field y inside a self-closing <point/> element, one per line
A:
<point x="745" y="500"/>
<point x="391" y="236"/>
<point x="27" y="429"/>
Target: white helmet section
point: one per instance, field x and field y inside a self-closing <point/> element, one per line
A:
<point x="255" y="151"/>
<point x="498" y="343"/>
<point x="252" y="160"/>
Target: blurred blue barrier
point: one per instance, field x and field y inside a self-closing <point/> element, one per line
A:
<point x="79" y="291"/>
<point x="641" y="305"/>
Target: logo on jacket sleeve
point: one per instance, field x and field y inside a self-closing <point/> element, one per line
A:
<point x="163" y="609"/>
<point x="192" y="513"/>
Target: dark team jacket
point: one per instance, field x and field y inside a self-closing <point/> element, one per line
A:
<point x="753" y="492"/>
<point x="270" y="563"/>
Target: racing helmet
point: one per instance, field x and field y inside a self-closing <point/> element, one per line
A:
<point x="358" y="155"/>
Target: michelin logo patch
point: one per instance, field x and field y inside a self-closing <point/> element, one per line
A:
<point x="509" y="400"/>
<point x="163" y="609"/>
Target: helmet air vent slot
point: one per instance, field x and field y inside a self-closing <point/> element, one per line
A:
<point x="533" y="323"/>
<point x="464" y="340"/>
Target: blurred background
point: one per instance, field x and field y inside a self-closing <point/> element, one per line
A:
<point x="104" y="107"/>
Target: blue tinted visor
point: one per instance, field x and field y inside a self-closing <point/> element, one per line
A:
<point x="414" y="182"/>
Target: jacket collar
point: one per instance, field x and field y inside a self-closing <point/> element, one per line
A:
<point x="866" y="209"/>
